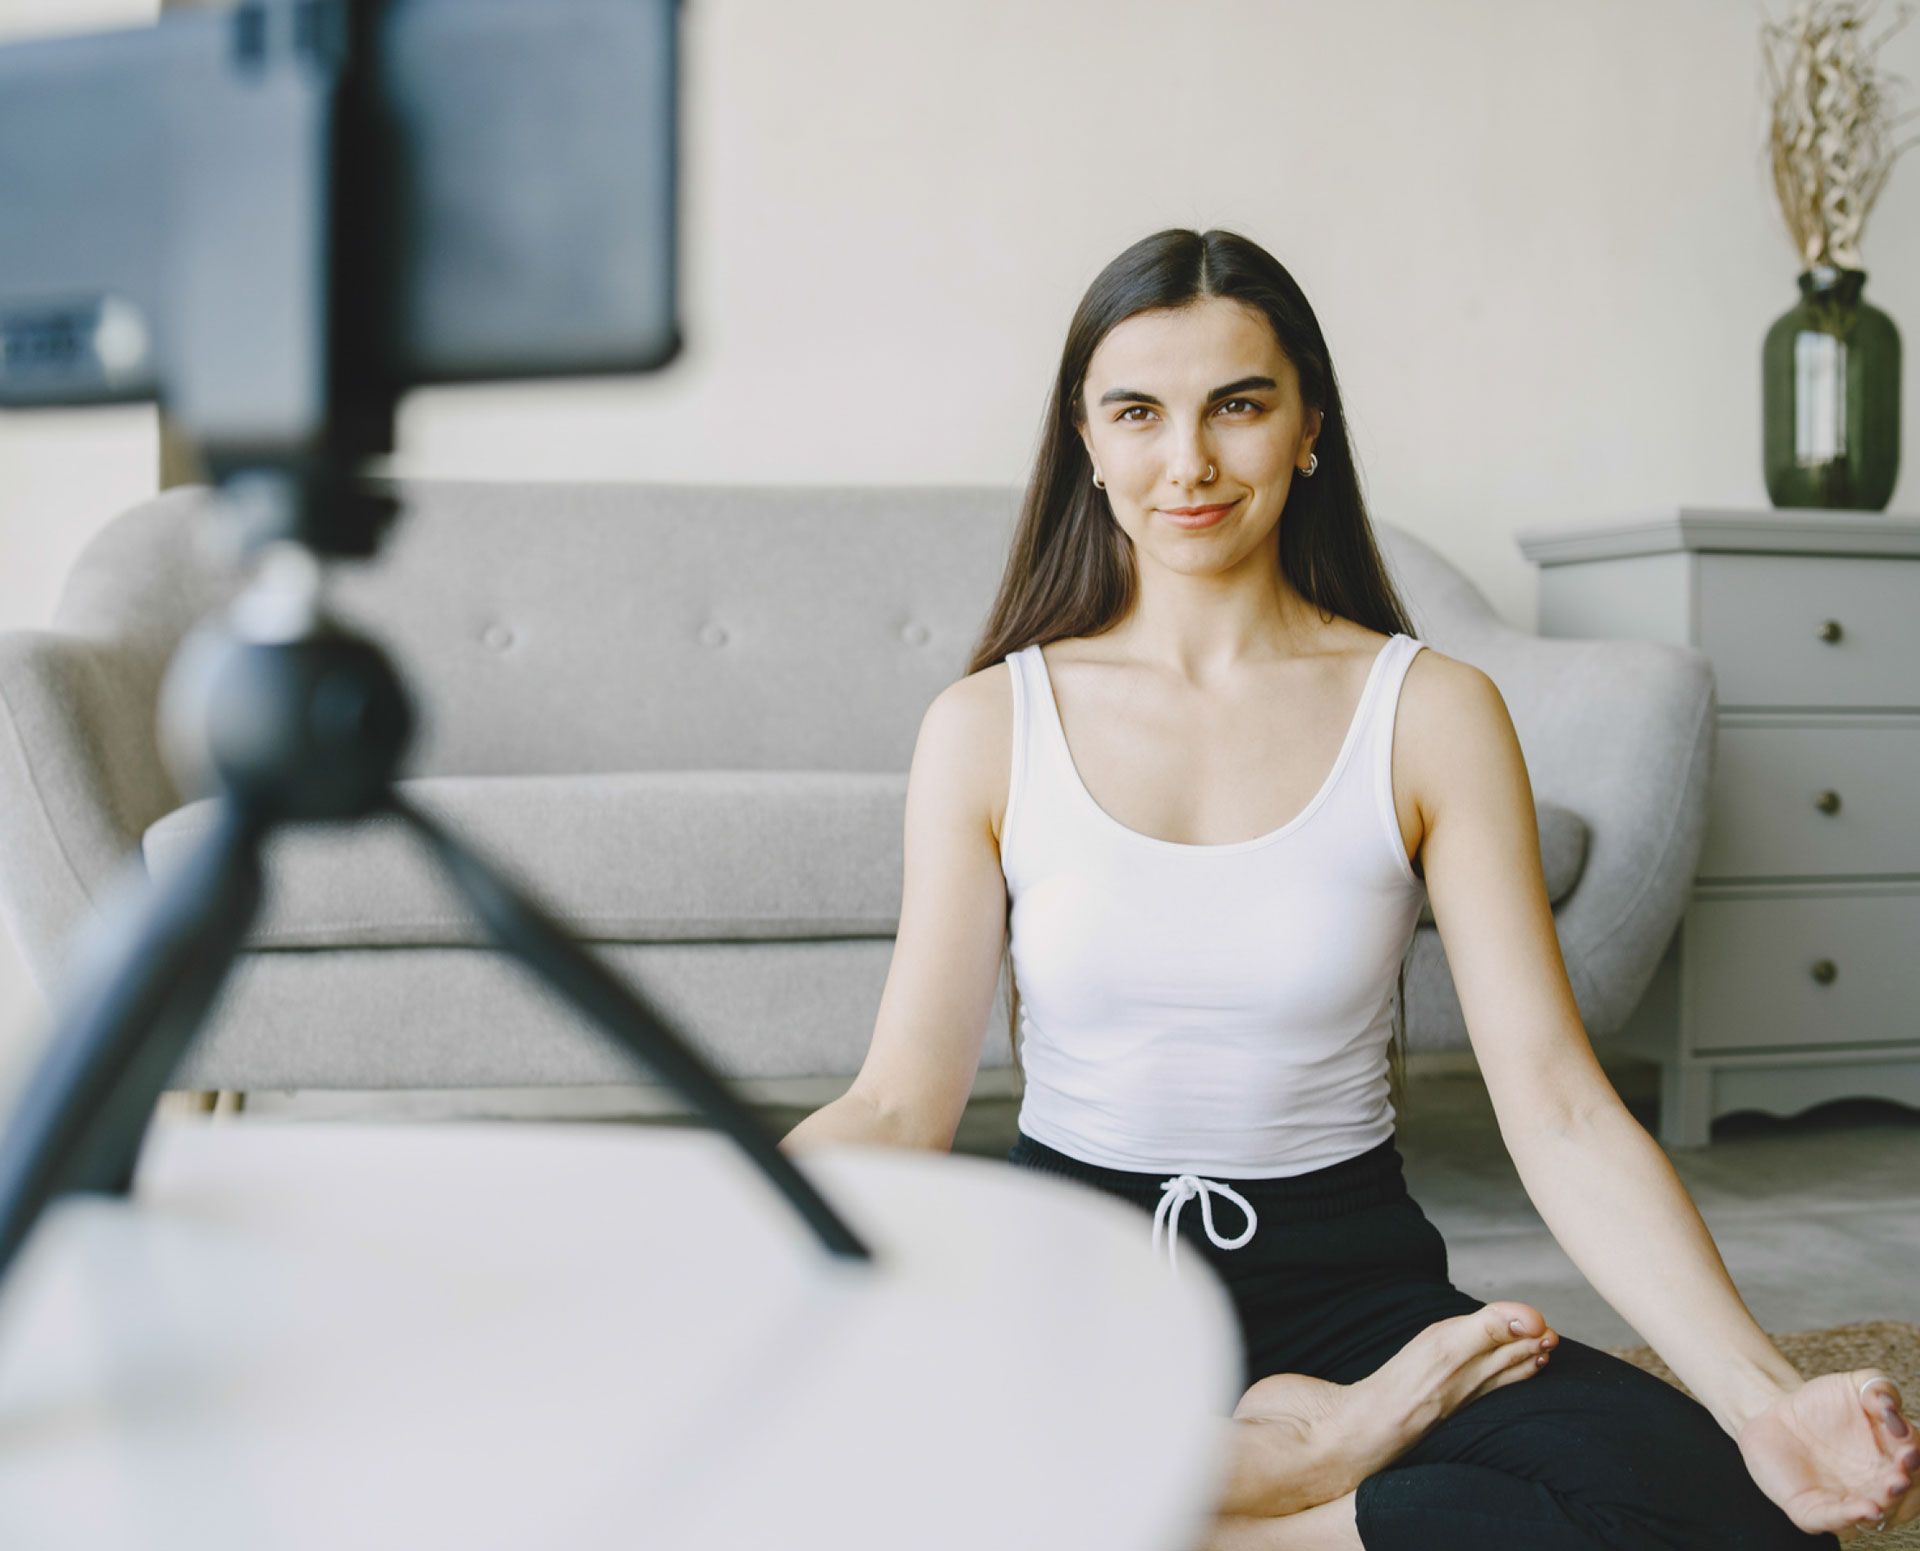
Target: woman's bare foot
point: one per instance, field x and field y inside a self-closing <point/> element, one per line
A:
<point x="1300" y="1441"/>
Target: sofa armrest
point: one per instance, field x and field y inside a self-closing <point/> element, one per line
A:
<point x="81" y="778"/>
<point x="1621" y="732"/>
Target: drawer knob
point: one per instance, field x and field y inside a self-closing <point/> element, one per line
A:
<point x="1829" y="802"/>
<point x="1830" y="631"/>
<point x="1824" y="970"/>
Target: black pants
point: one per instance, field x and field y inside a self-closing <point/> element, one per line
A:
<point x="1344" y="1269"/>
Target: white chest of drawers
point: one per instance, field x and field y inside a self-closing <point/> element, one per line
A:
<point x="1794" y="977"/>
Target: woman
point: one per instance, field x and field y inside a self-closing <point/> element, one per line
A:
<point x="1195" y="640"/>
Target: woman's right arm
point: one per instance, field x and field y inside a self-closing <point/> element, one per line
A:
<point x="913" y="1087"/>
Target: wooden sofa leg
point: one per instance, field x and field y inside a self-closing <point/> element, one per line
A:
<point x="183" y="1102"/>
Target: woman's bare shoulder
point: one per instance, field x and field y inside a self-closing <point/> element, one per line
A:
<point x="1440" y="684"/>
<point x="981" y="709"/>
<point x="1444" y="704"/>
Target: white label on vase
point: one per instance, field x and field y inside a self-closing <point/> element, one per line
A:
<point x="1819" y="398"/>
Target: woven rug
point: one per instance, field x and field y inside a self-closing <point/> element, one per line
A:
<point x="1892" y="1346"/>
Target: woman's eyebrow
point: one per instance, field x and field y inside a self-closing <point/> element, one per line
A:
<point x="1135" y="396"/>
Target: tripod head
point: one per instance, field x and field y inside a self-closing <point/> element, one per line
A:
<point x="291" y="715"/>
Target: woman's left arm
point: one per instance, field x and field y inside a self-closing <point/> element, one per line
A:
<point x="1605" y="1189"/>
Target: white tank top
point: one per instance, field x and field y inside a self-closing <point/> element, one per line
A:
<point x="1207" y="1009"/>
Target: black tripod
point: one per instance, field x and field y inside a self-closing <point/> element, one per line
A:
<point x="302" y="721"/>
<point x="308" y="163"/>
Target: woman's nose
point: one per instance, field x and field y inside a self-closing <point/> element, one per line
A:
<point x="1189" y="464"/>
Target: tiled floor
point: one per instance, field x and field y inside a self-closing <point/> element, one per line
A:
<point x="1816" y="1216"/>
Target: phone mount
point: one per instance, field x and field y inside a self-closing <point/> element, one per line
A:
<point x="295" y="718"/>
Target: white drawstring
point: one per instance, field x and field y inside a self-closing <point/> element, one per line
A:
<point x="1175" y="1193"/>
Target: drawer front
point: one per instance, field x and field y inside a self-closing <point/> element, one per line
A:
<point x="1761" y="619"/>
<point x="1756" y="970"/>
<point x="1770" y="778"/>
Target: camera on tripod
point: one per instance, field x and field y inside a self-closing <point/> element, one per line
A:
<point x="275" y="220"/>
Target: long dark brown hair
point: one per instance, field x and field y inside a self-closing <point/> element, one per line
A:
<point x="1070" y="570"/>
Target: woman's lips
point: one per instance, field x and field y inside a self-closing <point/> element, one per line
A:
<point x="1204" y="518"/>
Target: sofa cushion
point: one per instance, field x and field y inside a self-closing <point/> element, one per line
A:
<point x="642" y="856"/>
<point x="636" y="857"/>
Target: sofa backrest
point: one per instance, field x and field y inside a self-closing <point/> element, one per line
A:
<point x="598" y="628"/>
<point x="547" y="627"/>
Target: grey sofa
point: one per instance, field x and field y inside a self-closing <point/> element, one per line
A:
<point x="683" y="715"/>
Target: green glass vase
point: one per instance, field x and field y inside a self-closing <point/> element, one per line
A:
<point x="1830" y="397"/>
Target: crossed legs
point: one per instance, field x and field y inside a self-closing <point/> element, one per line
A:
<point x="1594" y="1454"/>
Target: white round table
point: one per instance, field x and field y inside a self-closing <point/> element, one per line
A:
<point x="303" y="1334"/>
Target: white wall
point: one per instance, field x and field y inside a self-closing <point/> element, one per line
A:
<point x="1541" y="240"/>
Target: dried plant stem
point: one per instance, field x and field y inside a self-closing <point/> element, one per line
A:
<point x="1830" y="126"/>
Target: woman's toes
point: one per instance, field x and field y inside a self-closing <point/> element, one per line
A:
<point x="1534" y="1337"/>
<point x="1484" y="1360"/>
<point x="1520" y="1358"/>
<point x="1510" y="1320"/>
<point x="1476" y="1345"/>
<point x="1449" y="1363"/>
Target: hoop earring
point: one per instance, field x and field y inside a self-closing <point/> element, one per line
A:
<point x="1099" y="483"/>
<point x="1313" y="462"/>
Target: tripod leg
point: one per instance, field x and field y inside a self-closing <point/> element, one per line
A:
<point x="146" y="975"/>
<point x="527" y="931"/>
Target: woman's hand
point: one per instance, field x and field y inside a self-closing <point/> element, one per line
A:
<point x="1836" y="1459"/>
